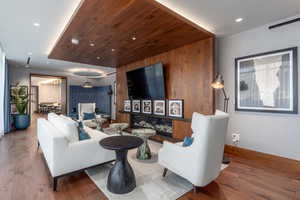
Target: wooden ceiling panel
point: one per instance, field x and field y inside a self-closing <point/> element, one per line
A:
<point x="111" y="24"/>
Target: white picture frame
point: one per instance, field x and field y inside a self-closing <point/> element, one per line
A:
<point x="147" y="106"/>
<point x="159" y="107"/>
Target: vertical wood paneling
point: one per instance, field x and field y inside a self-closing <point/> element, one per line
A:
<point x="189" y="70"/>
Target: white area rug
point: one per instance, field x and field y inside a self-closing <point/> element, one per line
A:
<point x="150" y="183"/>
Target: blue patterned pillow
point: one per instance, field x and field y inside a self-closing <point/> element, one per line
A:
<point x="82" y="134"/>
<point x="87" y="116"/>
<point x="188" y="141"/>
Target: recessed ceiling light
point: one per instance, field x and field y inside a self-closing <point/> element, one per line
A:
<point x="75" y="41"/>
<point x="133" y="38"/>
<point x="36" y="24"/>
<point x="29" y="53"/>
<point x="92" y="44"/>
<point x="112" y="49"/>
<point x="98" y="58"/>
<point x="239" y="20"/>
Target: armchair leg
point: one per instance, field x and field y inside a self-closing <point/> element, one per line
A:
<point x="55" y="184"/>
<point x="165" y="172"/>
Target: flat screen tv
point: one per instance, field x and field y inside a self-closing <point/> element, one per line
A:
<point x="147" y="82"/>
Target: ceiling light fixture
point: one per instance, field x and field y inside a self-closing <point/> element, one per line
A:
<point x="239" y="20"/>
<point x="98" y="58"/>
<point x="92" y="44"/>
<point x="87" y="84"/>
<point x="133" y="38"/>
<point x="75" y="41"/>
<point x="112" y="49"/>
<point x="36" y="24"/>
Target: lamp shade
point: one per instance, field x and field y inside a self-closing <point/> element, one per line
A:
<point x="218" y="82"/>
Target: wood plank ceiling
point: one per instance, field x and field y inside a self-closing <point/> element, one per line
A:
<point x="112" y="24"/>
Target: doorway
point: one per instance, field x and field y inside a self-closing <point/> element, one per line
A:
<point x="48" y="94"/>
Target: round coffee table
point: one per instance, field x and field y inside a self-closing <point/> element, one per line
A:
<point x="143" y="152"/>
<point x="121" y="178"/>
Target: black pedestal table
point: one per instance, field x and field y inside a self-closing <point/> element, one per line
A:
<point x="121" y="178"/>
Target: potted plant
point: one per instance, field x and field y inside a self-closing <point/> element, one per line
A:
<point x="19" y="96"/>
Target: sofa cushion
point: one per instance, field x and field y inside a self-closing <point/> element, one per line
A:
<point x="65" y="126"/>
<point x="188" y="141"/>
<point x="83" y="135"/>
<point x="87" y="116"/>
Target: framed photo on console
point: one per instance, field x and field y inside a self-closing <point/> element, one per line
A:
<point x="267" y="82"/>
<point x="159" y="107"/>
<point x="136" y="106"/>
<point x="175" y="108"/>
<point x="127" y="106"/>
<point x="147" y="106"/>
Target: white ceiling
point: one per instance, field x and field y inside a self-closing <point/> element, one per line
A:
<point x="19" y="37"/>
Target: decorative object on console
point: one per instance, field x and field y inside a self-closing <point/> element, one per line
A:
<point x="271" y="81"/>
<point x="175" y="108"/>
<point x="136" y="106"/>
<point x="144" y="152"/>
<point x="118" y="127"/>
<point x="159" y="107"/>
<point x="219" y="84"/>
<point x="147" y="106"/>
<point x="127" y="106"/>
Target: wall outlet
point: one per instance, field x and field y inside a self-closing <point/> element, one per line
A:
<point x="235" y="138"/>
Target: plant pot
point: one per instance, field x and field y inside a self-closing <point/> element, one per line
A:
<point x="21" y="121"/>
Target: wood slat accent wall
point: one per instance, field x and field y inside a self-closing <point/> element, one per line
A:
<point x="189" y="71"/>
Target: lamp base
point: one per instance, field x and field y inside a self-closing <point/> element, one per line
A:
<point x="226" y="160"/>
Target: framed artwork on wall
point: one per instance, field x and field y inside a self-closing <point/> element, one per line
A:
<point x="127" y="106"/>
<point x="136" y="106"/>
<point x="175" y="108"/>
<point x="147" y="106"/>
<point x="267" y="82"/>
<point x="159" y="107"/>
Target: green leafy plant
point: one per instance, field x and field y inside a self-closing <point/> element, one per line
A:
<point x="20" y="98"/>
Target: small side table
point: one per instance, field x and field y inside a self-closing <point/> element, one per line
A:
<point x="144" y="152"/>
<point x="121" y="178"/>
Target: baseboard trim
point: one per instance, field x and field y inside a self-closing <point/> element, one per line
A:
<point x="289" y="167"/>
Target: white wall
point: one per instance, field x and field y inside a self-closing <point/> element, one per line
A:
<point x="277" y="134"/>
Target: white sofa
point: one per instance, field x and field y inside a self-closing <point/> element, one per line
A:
<point x="63" y="152"/>
<point x="201" y="162"/>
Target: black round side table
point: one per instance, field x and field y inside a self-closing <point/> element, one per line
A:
<point x="121" y="178"/>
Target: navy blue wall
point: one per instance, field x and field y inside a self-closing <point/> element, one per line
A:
<point x="99" y="95"/>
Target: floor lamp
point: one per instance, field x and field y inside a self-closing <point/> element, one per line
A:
<point x="219" y="84"/>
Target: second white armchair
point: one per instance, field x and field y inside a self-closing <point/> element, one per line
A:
<point x="201" y="162"/>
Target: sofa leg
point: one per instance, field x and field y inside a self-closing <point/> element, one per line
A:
<point x="165" y="172"/>
<point x="195" y="189"/>
<point x="38" y="145"/>
<point x="55" y="184"/>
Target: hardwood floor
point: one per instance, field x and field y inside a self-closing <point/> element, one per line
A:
<point x="23" y="175"/>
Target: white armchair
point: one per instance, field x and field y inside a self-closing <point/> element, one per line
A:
<point x="201" y="162"/>
<point x="85" y="108"/>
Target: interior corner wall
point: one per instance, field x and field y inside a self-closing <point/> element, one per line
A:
<point x="276" y="134"/>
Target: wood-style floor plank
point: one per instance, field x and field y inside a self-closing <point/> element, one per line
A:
<point x="23" y="175"/>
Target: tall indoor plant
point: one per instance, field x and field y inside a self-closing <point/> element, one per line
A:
<point x="19" y="96"/>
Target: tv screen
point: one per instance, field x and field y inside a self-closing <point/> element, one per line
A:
<point x="146" y="83"/>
